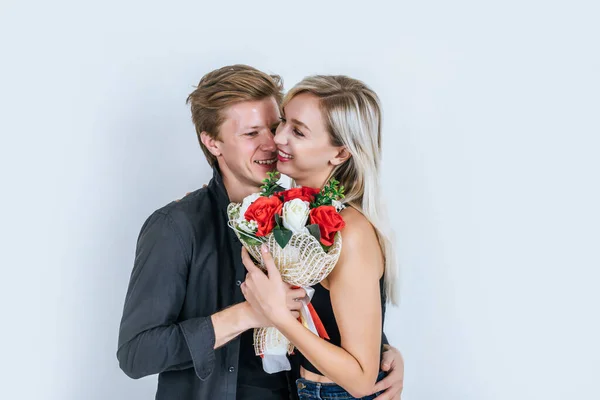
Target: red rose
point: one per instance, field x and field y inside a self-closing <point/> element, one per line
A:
<point x="329" y="221"/>
<point x="304" y="193"/>
<point x="263" y="211"/>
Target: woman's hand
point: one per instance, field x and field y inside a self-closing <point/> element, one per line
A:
<point x="269" y="295"/>
<point x="253" y="318"/>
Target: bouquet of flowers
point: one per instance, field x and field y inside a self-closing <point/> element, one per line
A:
<point x="301" y="227"/>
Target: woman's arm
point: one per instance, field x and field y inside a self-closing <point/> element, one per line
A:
<point x="356" y="301"/>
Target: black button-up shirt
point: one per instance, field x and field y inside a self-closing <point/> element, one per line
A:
<point x="187" y="267"/>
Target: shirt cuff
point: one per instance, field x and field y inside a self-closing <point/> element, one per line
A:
<point x="199" y="335"/>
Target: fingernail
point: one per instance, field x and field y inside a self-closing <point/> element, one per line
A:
<point x="263" y="248"/>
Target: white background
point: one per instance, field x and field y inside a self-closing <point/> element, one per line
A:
<point x="491" y="168"/>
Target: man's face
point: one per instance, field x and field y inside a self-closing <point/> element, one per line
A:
<point x="246" y="146"/>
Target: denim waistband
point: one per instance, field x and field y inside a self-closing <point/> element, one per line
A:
<point x="328" y="391"/>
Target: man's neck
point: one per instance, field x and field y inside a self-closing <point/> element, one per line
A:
<point x="236" y="191"/>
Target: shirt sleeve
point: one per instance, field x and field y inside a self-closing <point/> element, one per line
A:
<point x="151" y="339"/>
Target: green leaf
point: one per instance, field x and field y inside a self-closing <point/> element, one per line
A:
<point x="315" y="231"/>
<point x="282" y="236"/>
<point x="250" y="241"/>
<point x="278" y="220"/>
<point x="270" y="184"/>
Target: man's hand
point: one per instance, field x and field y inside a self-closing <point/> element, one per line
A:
<point x="184" y="196"/>
<point x="392" y="363"/>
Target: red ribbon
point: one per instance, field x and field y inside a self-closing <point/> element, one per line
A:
<point x="318" y="324"/>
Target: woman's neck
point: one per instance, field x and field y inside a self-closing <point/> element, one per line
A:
<point x="314" y="181"/>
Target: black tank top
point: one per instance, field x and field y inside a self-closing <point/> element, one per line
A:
<point x="321" y="301"/>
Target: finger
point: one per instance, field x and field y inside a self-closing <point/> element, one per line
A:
<point x="296" y="314"/>
<point x="269" y="263"/>
<point x="248" y="285"/>
<point x="383" y="396"/>
<point x="248" y="295"/>
<point x="183" y="196"/>
<point x="297" y="293"/>
<point x="294" y="305"/>
<point x="387" y="360"/>
<point x="383" y="384"/>
<point x="388" y="395"/>
<point x="247" y="261"/>
<point x="246" y="289"/>
<point x="393" y="392"/>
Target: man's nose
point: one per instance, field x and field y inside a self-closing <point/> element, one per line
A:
<point x="268" y="144"/>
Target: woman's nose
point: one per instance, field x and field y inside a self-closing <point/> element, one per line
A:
<point x="279" y="137"/>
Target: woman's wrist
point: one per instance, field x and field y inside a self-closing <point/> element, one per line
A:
<point x="283" y="319"/>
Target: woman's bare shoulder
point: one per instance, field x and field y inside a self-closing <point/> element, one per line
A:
<point x="358" y="227"/>
<point x="360" y="246"/>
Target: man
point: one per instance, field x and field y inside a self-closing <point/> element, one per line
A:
<point x="185" y="317"/>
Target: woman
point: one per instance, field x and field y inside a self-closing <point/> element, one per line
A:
<point x="331" y="128"/>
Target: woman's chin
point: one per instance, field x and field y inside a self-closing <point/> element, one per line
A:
<point x="284" y="168"/>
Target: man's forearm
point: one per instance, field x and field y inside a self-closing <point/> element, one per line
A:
<point x="147" y="352"/>
<point x="231" y="322"/>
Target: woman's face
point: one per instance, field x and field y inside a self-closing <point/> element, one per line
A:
<point x="305" y="152"/>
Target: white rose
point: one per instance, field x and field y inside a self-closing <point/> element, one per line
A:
<point x="246" y="203"/>
<point x="295" y="214"/>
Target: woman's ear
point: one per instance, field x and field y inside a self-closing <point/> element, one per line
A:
<point x="211" y="144"/>
<point x="342" y="156"/>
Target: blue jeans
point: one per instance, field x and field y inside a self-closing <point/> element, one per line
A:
<point x="309" y="390"/>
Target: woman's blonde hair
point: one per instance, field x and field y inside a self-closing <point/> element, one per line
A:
<point x="352" y="115"/>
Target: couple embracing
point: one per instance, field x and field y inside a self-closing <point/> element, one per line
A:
<point x="197" y="299"/>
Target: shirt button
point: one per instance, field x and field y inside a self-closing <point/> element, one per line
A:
<point x="231" y="369"/>
<point x="238" y="283"/>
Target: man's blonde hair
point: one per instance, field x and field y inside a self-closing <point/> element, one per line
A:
<point x="224" y="87"/>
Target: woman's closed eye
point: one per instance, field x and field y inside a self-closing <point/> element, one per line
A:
<point x="251" y="134"/>
<point x="297" y="132"/>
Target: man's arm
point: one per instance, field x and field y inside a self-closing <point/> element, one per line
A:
<point x="150" y="338"/>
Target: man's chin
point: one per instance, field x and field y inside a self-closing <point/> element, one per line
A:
<point x="260" y="171"/>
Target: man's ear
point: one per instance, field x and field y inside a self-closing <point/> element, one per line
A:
<point x="342" y="156"/>
<point x="211" y="144"/>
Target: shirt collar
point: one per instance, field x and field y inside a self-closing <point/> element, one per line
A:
<point x="216" y="185"/>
